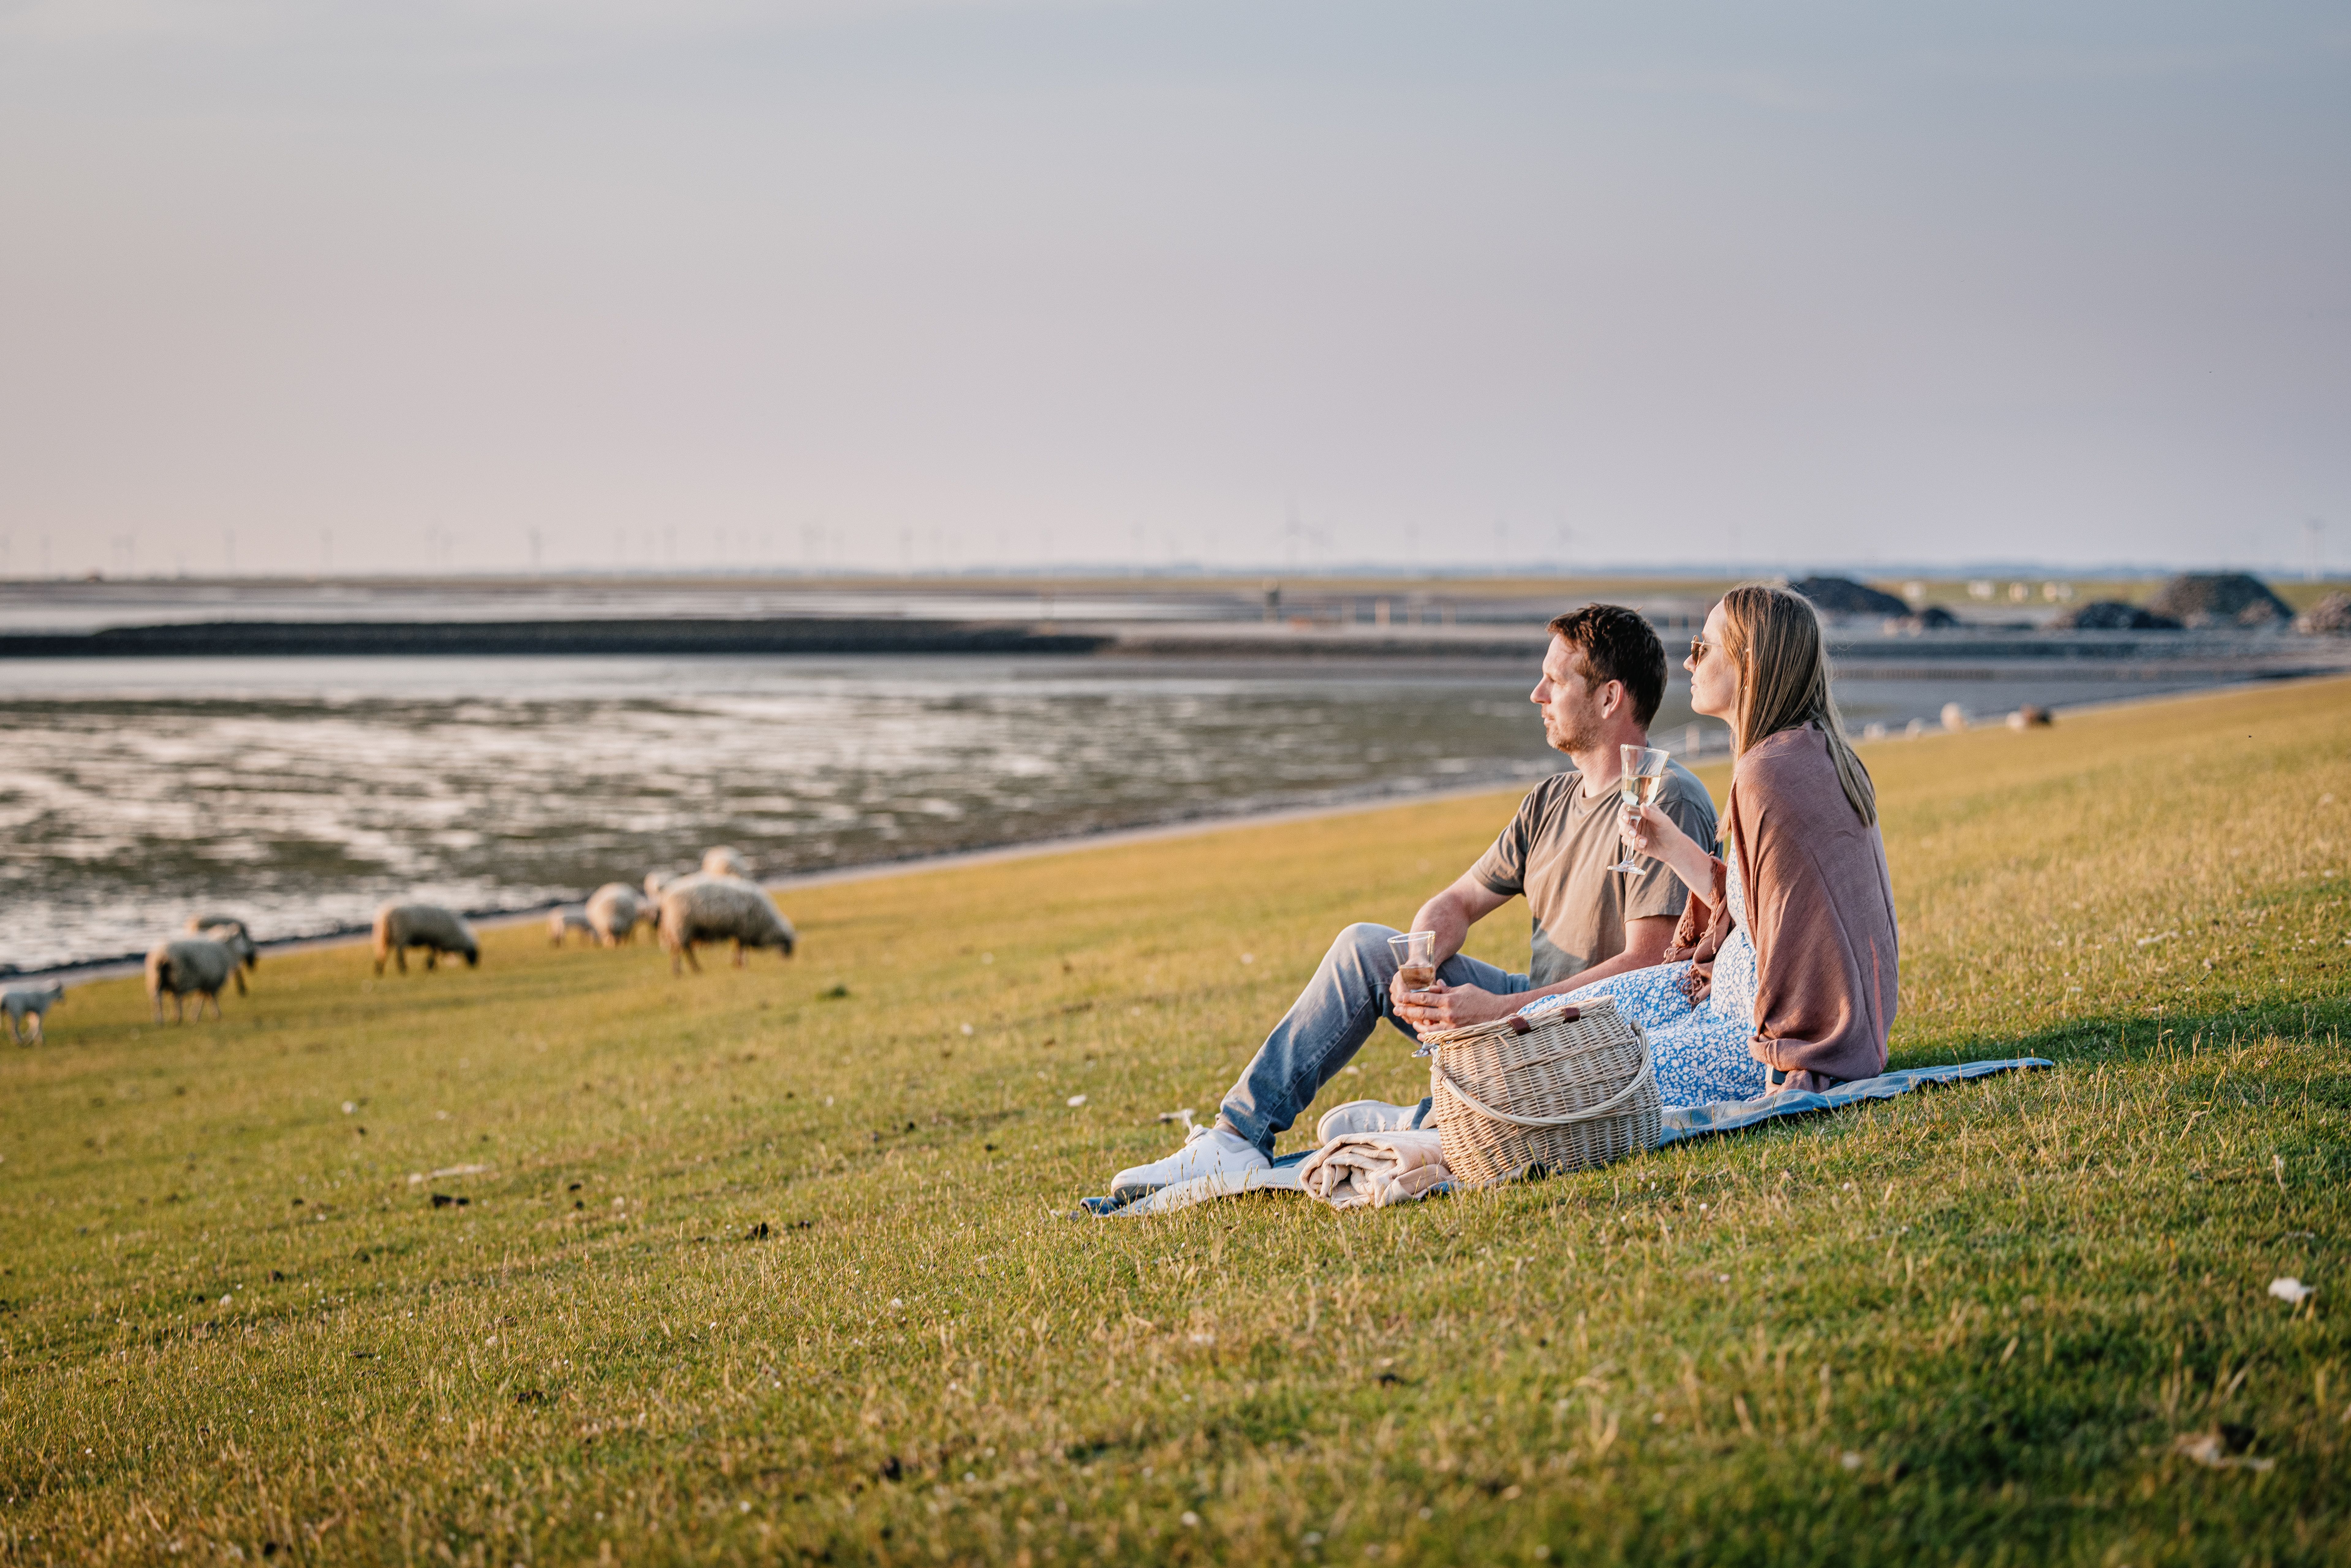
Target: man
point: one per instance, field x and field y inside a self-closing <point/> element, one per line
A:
<point x="1602" y="678"/>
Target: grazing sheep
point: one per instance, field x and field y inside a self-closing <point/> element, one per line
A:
<point x="721" y="909"/>
<point x="563" y="921"/>
<point x="721" y="861"/>
<point x="400" y="927"/>
<point x="31" y="1002"/>
<point x="614" y="912"/>
<point x="230" y="929"/>
<point x="187" y="966"/>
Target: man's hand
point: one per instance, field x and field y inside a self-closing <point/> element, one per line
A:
<point x="1443" y="1006"/>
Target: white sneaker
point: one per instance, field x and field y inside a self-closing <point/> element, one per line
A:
<point x="1364" y="1116"/>
<point x="1209" y="1151"/>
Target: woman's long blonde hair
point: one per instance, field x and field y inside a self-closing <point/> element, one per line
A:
<point x="1774" y="635"/>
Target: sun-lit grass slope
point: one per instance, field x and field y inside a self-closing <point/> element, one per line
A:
<point x="562" y="1257"/>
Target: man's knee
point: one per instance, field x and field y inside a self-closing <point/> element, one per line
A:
<point x="1363" y="943"/>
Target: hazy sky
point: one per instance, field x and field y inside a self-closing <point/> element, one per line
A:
<point x="957" y="284"/>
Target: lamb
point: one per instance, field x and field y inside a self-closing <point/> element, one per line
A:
<point x="720" y="861"/>
<point x="231" y="929"/>
<point x="33" y="1002"/>
<point x="400" y="927"/>
<point x="564" y="920"/>
<point x="614" y="912"/>
<point x="721" y="909"/>
<point x="192" y="965"/>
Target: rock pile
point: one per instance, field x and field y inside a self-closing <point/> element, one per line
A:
<point x="1843" y="596"/>
<point x="2113" y="615"/>
<point x="2330" y="617"/>
<point x="2219" y="599"/>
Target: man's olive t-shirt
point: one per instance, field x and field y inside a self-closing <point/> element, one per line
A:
<point x="1557" y="852"/>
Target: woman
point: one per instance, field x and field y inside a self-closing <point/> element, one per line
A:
<point x="1783" y="970"/>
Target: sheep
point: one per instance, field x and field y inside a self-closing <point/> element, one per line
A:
<point x="721" y="909"/>
<point x="720" y="861"/>
<point x="192" y="965"/>
<point x="400" y="927"/>
<point x="231" y="929"/>
<point x="614" y="912"/>
<point x="563" y="920"/>
<point x="32" y="1002"/>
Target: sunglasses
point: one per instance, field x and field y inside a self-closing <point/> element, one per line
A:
<point x="1700" y="648"/>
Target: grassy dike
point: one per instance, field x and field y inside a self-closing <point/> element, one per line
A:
<point x="768" y="1264"/>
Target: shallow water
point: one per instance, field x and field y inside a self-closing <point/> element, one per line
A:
<point x="302" y="793"/>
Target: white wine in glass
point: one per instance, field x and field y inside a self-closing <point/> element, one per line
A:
<point x="1642" y="781"/>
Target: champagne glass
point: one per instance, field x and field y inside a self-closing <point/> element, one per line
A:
<point x="1641" y="781"/>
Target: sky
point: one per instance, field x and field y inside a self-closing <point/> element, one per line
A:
<point x="480" y="285"/>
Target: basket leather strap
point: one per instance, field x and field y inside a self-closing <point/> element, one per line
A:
<point x="1646" y="1074"/>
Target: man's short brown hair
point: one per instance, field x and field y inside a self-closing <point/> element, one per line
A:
<point x="1618" y="644"/>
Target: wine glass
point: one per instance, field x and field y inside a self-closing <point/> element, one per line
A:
<point x="1641" y="781"/>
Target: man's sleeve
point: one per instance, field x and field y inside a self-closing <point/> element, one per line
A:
<point x="1655" y="890"/>
<point x="1503" y="867"/>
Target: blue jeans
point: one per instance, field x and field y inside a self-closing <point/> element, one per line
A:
<point x="1327" y="1025"/>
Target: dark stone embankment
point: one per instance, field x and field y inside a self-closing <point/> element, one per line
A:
<point x="682" y="636"/>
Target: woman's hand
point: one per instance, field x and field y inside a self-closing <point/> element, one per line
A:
<point x="1653" y="833"/>
<point x="1443" y="1006"/>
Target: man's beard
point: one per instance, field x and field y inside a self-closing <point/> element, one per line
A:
<point x="1578" y="730"/>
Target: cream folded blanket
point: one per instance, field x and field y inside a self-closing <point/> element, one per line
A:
<point x="1372" y="1170"/>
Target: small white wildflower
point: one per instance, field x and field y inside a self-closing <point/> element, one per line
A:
<point x="1076" y="1100"/>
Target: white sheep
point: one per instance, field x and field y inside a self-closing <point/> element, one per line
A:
<point x="721" y="909"/>
<point x="614" y="912"/>
<point x="33" y="1002"/>
<point x="720" y="861"/>
<point x="191" y="966"/>
<point x="230" y="929"/>
<point x="563" y="920"/>
<point x="400" y="927"/>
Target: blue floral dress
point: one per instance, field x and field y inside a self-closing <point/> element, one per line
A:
<point x="1701" y="1051"/>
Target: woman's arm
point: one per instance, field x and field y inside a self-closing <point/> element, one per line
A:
<point x="1655" y="834"/>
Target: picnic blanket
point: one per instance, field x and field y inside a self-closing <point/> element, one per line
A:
<point x="1682" y="1123"/>
<point x="1372" y="1170"/>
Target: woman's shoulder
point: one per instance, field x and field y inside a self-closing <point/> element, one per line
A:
<point x="1790" y="770"/>
<point x="1797" y="750"/>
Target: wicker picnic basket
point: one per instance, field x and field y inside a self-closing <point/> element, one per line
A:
<point x="1522" y="1097"/>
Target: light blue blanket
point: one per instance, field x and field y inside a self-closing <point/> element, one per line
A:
<point x="1681" y="1122"/>
<point x="1736" y="1115"/>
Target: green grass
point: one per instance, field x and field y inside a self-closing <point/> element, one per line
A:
<point x="1982" y="1323"/>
